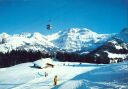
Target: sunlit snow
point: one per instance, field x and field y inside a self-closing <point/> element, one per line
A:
<point x="70" y="76"/>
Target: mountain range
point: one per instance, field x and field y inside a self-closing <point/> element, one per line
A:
<point x="96" y="47"/>
<point x="71" y="40"/>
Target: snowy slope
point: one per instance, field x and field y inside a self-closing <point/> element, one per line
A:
<point x="26" y="41"/>
<point x="70" y="76"/>
<point x="113" y="76"/>
<point x="24" y="76"/>
<point x="76" y="39"/>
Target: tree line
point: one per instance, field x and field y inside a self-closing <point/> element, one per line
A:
<point x="21" y="56"/>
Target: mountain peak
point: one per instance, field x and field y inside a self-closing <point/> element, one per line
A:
<point x="75" y="39"/>
<point x="4" y="35"/>
<point x="125" y="31"/>
<point x="87" y="30"/>
<point x="75" y="30"/>
<point x="38" y="35"/>
<point x="124" y="34"/>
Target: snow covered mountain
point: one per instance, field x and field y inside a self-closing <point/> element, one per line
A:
<point x="103" y="48"/>
<point x="113" y="51"/>
<point x="25" y="41"/>
<point x="98" y="48"/>
<point x="71" y="40"/>
<point x="76" y="39"/>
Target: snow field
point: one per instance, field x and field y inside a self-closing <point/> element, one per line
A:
<point x="23" y="76"/>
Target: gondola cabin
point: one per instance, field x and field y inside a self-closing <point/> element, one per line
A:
<point x="49" y="27"/>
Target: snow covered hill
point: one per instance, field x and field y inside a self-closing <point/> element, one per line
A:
<point x="25" y="41"/>
<point x="113" y="51"/>
<point x="113" y="76"/>
<point x="76" y="39"/>
<point x="70" y="76"/>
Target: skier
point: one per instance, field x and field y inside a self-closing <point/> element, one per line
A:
<point x="45" y="74"/>
<point x="80" y="63"/>
<point x="55" y="80"/>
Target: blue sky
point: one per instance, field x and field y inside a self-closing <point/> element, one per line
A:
<point x="101" y="16"/>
